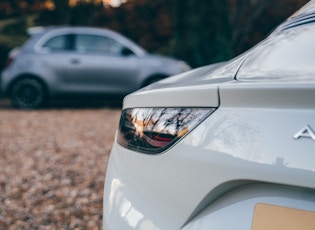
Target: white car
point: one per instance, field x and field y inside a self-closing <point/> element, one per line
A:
<point x="227" y="146"/>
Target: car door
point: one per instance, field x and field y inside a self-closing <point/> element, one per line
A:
<point x="97" y="65"/>
<point x="52" y="57"/>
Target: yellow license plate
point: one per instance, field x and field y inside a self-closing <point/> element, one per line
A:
<point x="271" y="217"/>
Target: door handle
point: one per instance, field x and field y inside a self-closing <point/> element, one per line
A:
<point x="75" y="61"/>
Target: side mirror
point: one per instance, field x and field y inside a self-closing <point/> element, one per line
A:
<point x="126" y="52"/>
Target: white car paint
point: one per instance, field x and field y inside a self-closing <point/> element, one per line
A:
<point x="253" y="149"/>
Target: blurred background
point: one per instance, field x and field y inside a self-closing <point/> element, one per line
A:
<point x="197" y="31"/>
<point x="53" y="161"/>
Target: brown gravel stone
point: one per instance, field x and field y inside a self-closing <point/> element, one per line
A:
<point x="52" y="167"/>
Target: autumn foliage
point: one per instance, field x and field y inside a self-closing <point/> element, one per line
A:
<point x="198" y="31"/>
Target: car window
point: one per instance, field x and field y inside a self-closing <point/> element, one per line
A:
<point x="290" y="54"/>
<point x="58" y="43"/>
<point x="87" y="43"/>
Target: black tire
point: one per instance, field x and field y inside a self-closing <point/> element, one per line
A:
<point x="28" y="93"/>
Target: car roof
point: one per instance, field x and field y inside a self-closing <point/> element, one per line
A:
<point x="45" y="29"/>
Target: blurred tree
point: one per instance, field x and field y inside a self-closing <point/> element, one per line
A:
<point x="17" y="8"/>
<point x="253" y="20"/>
<point x="62" y="11"/>
<point x="79" y="14"/>
<point x="202" y="31"/>
<point x="57" y="14"/>
<point x="212" y="31"/>
<point x="147" y="22"/>
<point x="243" y="15"/>
<point x="198" y="31"/>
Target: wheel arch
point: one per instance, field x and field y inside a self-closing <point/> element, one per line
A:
<point x="233" y="192"/>
<point x="28" y="75"/>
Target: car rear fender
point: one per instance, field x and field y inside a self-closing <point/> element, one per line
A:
<point x="254" y="205"/>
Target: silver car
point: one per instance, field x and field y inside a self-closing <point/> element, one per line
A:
<point x="66" y="61"/>
<point x="227" y="146"/>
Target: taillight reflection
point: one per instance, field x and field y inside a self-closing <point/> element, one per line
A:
<point x="152" y="130"/>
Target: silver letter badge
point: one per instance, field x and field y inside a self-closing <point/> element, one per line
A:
<point x="305" y="132"/>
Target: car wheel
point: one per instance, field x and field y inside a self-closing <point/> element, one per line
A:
<point x="27" y="93"/>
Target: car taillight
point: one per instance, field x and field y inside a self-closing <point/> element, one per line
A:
<point x="9" y="61"/>
<point x="153" y="130"/>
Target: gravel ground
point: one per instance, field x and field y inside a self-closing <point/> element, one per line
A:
<point x="52" y="166"/>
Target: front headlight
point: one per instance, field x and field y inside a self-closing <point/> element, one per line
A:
<point x="153" y="130"/>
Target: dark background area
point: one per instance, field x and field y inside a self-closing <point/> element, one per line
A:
<point x="198" y="31"/>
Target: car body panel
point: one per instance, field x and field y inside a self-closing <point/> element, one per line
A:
<point x="179" y="90"/>
<point x="98" y="74"/>
<point x="226" y="210"/>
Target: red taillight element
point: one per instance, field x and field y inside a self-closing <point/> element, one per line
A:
<point x="11" y="56"/>
<point x="153" y="130"/>
<point x="9" y="61"/>
<point x="158" y="140"/>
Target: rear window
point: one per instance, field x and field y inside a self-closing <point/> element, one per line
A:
<point x="287" y="55"/>
<point x="58" y="43"/>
